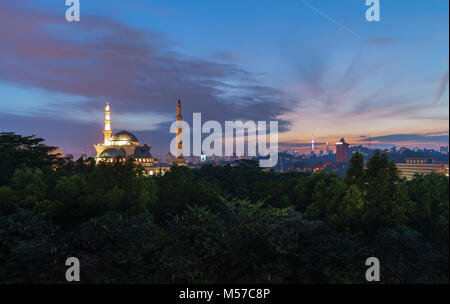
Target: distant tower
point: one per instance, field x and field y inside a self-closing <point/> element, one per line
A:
<point x="328" y="149"/>
<point x="107" y="131"/>
<point x="179" y="158"/>
<point x="312" y="145"/>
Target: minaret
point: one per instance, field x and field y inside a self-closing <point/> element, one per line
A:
<point x="179" y="158"/>
<point x="107" y="131"/>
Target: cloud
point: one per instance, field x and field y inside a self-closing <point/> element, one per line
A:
<point x="437" y="133"/>
<point x="442" y="85"/>
<point x="380" y="41"/>
<point x="137" y="71"/>
<point x="224" y="56"/>
<point x="347" y="89"/>
<point x="419" y="138"/>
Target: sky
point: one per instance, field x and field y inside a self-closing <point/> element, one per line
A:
<point x="316" y="66"/>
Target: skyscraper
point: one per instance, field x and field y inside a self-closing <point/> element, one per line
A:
<point x="342" y="151"/>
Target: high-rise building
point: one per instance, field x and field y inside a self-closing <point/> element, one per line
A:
<point x="328" y="149"/>
<point x="342" y="151"/>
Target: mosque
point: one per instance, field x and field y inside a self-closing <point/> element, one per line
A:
<point x="125" y="145"/>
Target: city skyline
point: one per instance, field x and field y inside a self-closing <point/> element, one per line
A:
<point x="228" y="60"/>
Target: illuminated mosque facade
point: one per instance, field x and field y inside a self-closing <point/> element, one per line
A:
<point x="125" y="145"/>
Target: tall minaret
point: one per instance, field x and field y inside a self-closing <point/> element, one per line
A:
<point x="107" y="131"/>
<point x="179" y="138"/>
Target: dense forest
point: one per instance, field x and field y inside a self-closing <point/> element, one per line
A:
<point x="231" y="224"/>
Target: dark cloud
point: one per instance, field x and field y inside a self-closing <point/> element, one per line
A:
<point x="137" y="71"/>
<point x="420" y="138"/>
<point x="224" y="56"/>
<point x="437" y="133"/>
<point x="380" y="41"/>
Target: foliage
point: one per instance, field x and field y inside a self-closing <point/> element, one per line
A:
<point x="17" y="152"/>
<point x="231" y="224"/>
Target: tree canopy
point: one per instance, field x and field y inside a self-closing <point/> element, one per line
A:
<point x="231" y="224"/>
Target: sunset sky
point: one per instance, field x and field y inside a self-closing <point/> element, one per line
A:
<point x="317" y="66"/>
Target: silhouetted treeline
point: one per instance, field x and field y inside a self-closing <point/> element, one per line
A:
<point x="215" y="224"/>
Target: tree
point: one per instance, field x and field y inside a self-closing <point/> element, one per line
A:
<point x="379" y="168"/>
<point x="29" y="186"/>
<point x="17" y="152"/>
<point x="111" y="247"/>
<point x="7" y="200"/>
<point x="406" y="258"/>
<point x="27" y="248"/>
<point x="355" y="172"/>
<point x="66" y="204"/>
<point x="387" y="200"/>
<point x="430" y="215"/>
<point x="349" y="214"/>
<point x="220" y="224"/>
<point x="121" y="187"/>
<point x="327" y="196"/>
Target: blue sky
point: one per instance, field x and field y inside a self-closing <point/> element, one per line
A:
<point x="259" y="60"/>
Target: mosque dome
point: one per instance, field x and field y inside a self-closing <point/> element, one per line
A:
<point x="123" y="137"/>
<point x="141" y="152"/>
<point x="113" y="153"/>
